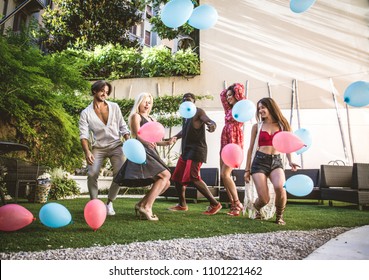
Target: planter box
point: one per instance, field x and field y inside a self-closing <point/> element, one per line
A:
<point x="103" y="182"/>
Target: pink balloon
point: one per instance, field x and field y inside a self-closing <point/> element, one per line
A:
<point x="95" y="213"/>
<point x="152" y="132"/>
<point x="287" y="142"/>
<point x="232" y="155"/>
<point x="14" y="217"/>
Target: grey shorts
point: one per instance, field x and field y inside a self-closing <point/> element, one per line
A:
<point x="264" y="163"/>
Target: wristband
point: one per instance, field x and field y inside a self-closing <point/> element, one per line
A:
<point x="248" y="170"/>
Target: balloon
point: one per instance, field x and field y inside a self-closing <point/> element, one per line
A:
<point x="54" y="215"/>
<point x="299" y="6"/>
<point x="299" y="185"/>
<point x="176" y="12"/>
<point x="305" y="136"/>
<point x="203" y="17"/>
<point x="187" y="109"/>
<point x="95" y="213"/>
<point x="152" y="132"/>
<point x="357" y="94"/>
<point x="134" y="151"/>
<point x="287" y="142"/>
<point x="232" y="155"/>
<point x="243" y="110"/>
<point x="14" y="217"/>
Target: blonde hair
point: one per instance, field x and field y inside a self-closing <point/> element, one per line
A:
<point x="138" y="100"/>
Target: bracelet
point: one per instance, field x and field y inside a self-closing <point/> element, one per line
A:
<point x="247" y="170"/>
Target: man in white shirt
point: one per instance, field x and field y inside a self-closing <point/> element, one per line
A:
<point x="102" y="124"/>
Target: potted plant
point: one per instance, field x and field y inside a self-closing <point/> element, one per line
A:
<point x="42" y="189"/>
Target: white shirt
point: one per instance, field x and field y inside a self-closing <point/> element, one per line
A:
<point x="99" y="134"/>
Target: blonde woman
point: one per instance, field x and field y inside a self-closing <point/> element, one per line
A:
<point x="154" y="171"/>
<point x="264" y="161"/>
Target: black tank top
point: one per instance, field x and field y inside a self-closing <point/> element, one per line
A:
<point x="193" y="142"/>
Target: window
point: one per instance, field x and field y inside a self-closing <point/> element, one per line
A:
<point x="20" y="20"/>
<point x="148" y="11"/>
<point x="134" y="30"/>
<point x="147" y="38"/>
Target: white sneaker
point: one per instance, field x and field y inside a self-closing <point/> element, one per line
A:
<point x="109" y="209"/>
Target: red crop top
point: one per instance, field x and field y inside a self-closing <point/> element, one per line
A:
<point x="265" y="139"/>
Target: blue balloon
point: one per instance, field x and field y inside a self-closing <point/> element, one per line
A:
<point x="203" y="17"/>
<point x="244" y="110"/>
<point x="305" y="136"/>
<point x="187" y="109"/>
<point x="55" y="215"/>
<point x="176" y="12"/>
<point x="134" y="151"/>
<point x="300" y="6"/>
<point x="357" y="94"/>
<point x="299" y="185"/>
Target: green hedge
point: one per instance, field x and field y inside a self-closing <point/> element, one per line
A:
<point x="114" y="62"/>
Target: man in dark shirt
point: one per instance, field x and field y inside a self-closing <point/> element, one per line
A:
<point x="193" y="155"/>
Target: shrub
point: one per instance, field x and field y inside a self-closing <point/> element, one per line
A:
<point x="35" y="91"/>
<point x="62" y="186"/>
<point x="114" y="62"/>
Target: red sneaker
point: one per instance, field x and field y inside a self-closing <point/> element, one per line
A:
<point x="212" y="210"/>
<point x="178" y="208"/>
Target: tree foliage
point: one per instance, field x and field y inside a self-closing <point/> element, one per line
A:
<point x="85" y="24"/>
<point x="35" y="92"/>
<point x="165" y="32"/>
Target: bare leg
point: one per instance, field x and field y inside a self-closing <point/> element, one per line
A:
<point x="261" y="185"/>
<point x="181" y="190"/>
<point x="143" y="200"/>
<point x="278" y="178"/>
<point x="204" y="190"/>
<point x="159" y="186"/>
<point x="229" y="184"/>
<point x="226" y="189"/>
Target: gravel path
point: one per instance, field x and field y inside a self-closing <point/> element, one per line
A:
<point x="283" y="245"/>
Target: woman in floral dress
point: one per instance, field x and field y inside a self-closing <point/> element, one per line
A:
<point x="232" y="133"/>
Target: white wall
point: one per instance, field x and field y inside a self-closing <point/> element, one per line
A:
<point x="265" y="43"/>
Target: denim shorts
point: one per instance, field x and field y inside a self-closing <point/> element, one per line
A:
<point x="264" y="163"/>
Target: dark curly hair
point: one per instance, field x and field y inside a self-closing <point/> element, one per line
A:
<point x="99" y="85"/>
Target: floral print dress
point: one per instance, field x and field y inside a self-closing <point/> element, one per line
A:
<point x="232" y="131"/>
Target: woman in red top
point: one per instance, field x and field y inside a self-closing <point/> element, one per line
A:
<point x="264" y="161"/>
<point x="232" y="133"/>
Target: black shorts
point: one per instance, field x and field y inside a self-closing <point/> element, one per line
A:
<point x="264" y="163"/>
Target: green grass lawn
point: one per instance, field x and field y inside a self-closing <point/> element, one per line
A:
<point x="125" y="227"/>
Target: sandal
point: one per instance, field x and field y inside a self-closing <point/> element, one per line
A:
<point x="279" y="220"/>
<point x="235" y="208"/>
<point x="258" y="214"/>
